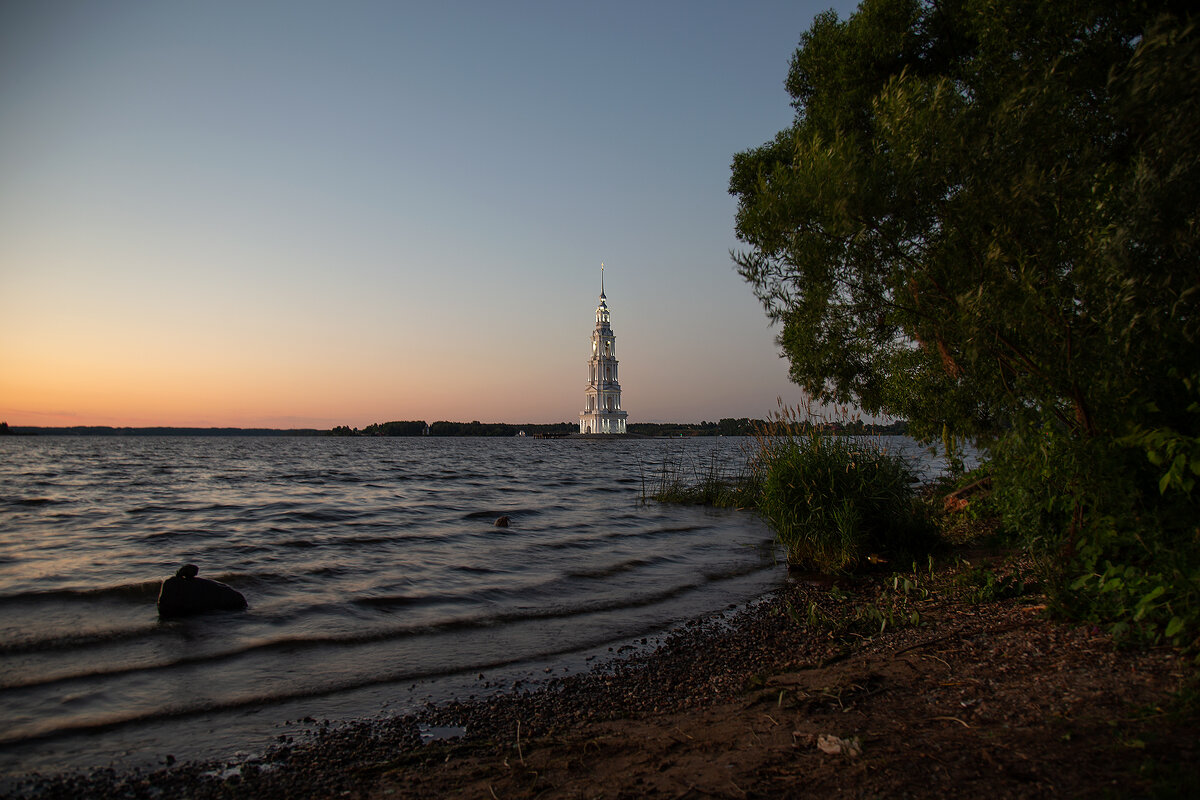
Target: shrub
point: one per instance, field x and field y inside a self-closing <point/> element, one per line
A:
<point x="1112" y="523"/>
<point x="833" y="500"/>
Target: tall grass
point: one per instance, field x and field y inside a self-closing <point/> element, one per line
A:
<point x="831" y="500"/>
<point x="710" y="483"/>
<point x="834" y="500"/>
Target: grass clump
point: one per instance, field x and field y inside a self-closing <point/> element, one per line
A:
<point x="983" y="585"/>
<point x="710" y="483"/>
<point x="834" y="500"/>
<point x="870" y="609"/>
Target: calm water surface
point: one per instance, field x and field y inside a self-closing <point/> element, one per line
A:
<point x="375" y="577"/>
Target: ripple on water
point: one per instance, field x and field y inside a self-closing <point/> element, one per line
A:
<point x="364" y="561"/>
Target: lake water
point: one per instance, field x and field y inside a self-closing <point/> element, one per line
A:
<point x="375" y="577"/>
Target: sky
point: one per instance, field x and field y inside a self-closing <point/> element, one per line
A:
<point x="309" y="214"/>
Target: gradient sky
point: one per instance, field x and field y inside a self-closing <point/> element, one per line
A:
<point x="307" y="214"/>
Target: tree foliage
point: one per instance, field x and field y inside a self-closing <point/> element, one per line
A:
<point x="983" y="219"/>
<point x="984" y="212"/>
<point x="396" y="428"/>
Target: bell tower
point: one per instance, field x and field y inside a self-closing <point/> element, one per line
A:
<point x="602" y="411"/>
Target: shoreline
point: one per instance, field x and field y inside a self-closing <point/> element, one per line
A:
<point x="964" y="696"/>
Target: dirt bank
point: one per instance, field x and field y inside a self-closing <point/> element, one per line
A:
<point x="941" y="682"/>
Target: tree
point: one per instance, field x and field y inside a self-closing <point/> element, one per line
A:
<point x="984" y="213"/>
<point x="984" y="219"/>
<point x="396" y="428"/>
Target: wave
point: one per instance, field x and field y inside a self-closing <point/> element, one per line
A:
<point x="183" y="532"/>
<point x="142" y="592"/>
<point x="563" y="482"/>
<point x="221" y="507"/>
<point x="115" y="721"/>
<point x="624" y="533"/>
<point x="302" y="514"/>
<point x="456" y="476"/>
<point x="613" y="569"/>
<point x="31" y="502"/>
<point x="344" y="546"/>
<point x="71" y="641"/>
<point x="292" y="644"/>
<point x="512" y="513"/>
<point x="403" y="600"/>
<point x="329" y="515"/>
<point x="482" y="514"/>
<point x="329" y="572"/>
<point x="122" y="591"/>
<point x="300" y="544"/>
<point x="157" y="509"/>
<point x="676" y="529"/>
<point x="335" y="541"/>
<point x="653" y="532"/>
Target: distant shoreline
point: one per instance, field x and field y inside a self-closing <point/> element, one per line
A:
<point x="646" y="430"/>
<point x="94" y="430"/>
<point x="104" y="430"/>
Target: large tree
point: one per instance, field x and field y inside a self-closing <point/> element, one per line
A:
<point x="984" y="214"/>
<point x="984" y="218"/>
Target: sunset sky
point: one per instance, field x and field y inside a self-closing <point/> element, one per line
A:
<point x="308" y="214"/>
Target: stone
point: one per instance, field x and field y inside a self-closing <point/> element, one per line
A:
<point x="185" y="594"/>
<point x="835" y="745"/>
<point x="501" y="522"/>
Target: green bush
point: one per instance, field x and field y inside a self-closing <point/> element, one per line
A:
<point x="834" y="500"/>
<point x="1113" y="523"/>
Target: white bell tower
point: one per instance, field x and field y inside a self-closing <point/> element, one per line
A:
<point x="602" y="399"/>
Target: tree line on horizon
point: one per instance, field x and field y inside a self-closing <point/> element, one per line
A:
<point x="743" y="426"/>
<point x="109" y="430"/>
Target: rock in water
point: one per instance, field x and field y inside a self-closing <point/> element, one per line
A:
<point x="501" y="522"/>
<point x="186" y="594"/>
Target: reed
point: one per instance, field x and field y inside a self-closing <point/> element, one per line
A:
<point x="835" y="500"/>
<point x="832" y="500"/>
<point x="711" y="482"/>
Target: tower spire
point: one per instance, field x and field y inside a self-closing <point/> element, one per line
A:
<point x="601" y="279"/>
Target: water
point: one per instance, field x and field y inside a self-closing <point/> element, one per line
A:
<point x="375" y="577"/>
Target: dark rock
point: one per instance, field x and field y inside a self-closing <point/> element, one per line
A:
<point x="185" y="594"/>
<point x="502" y="522"/>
